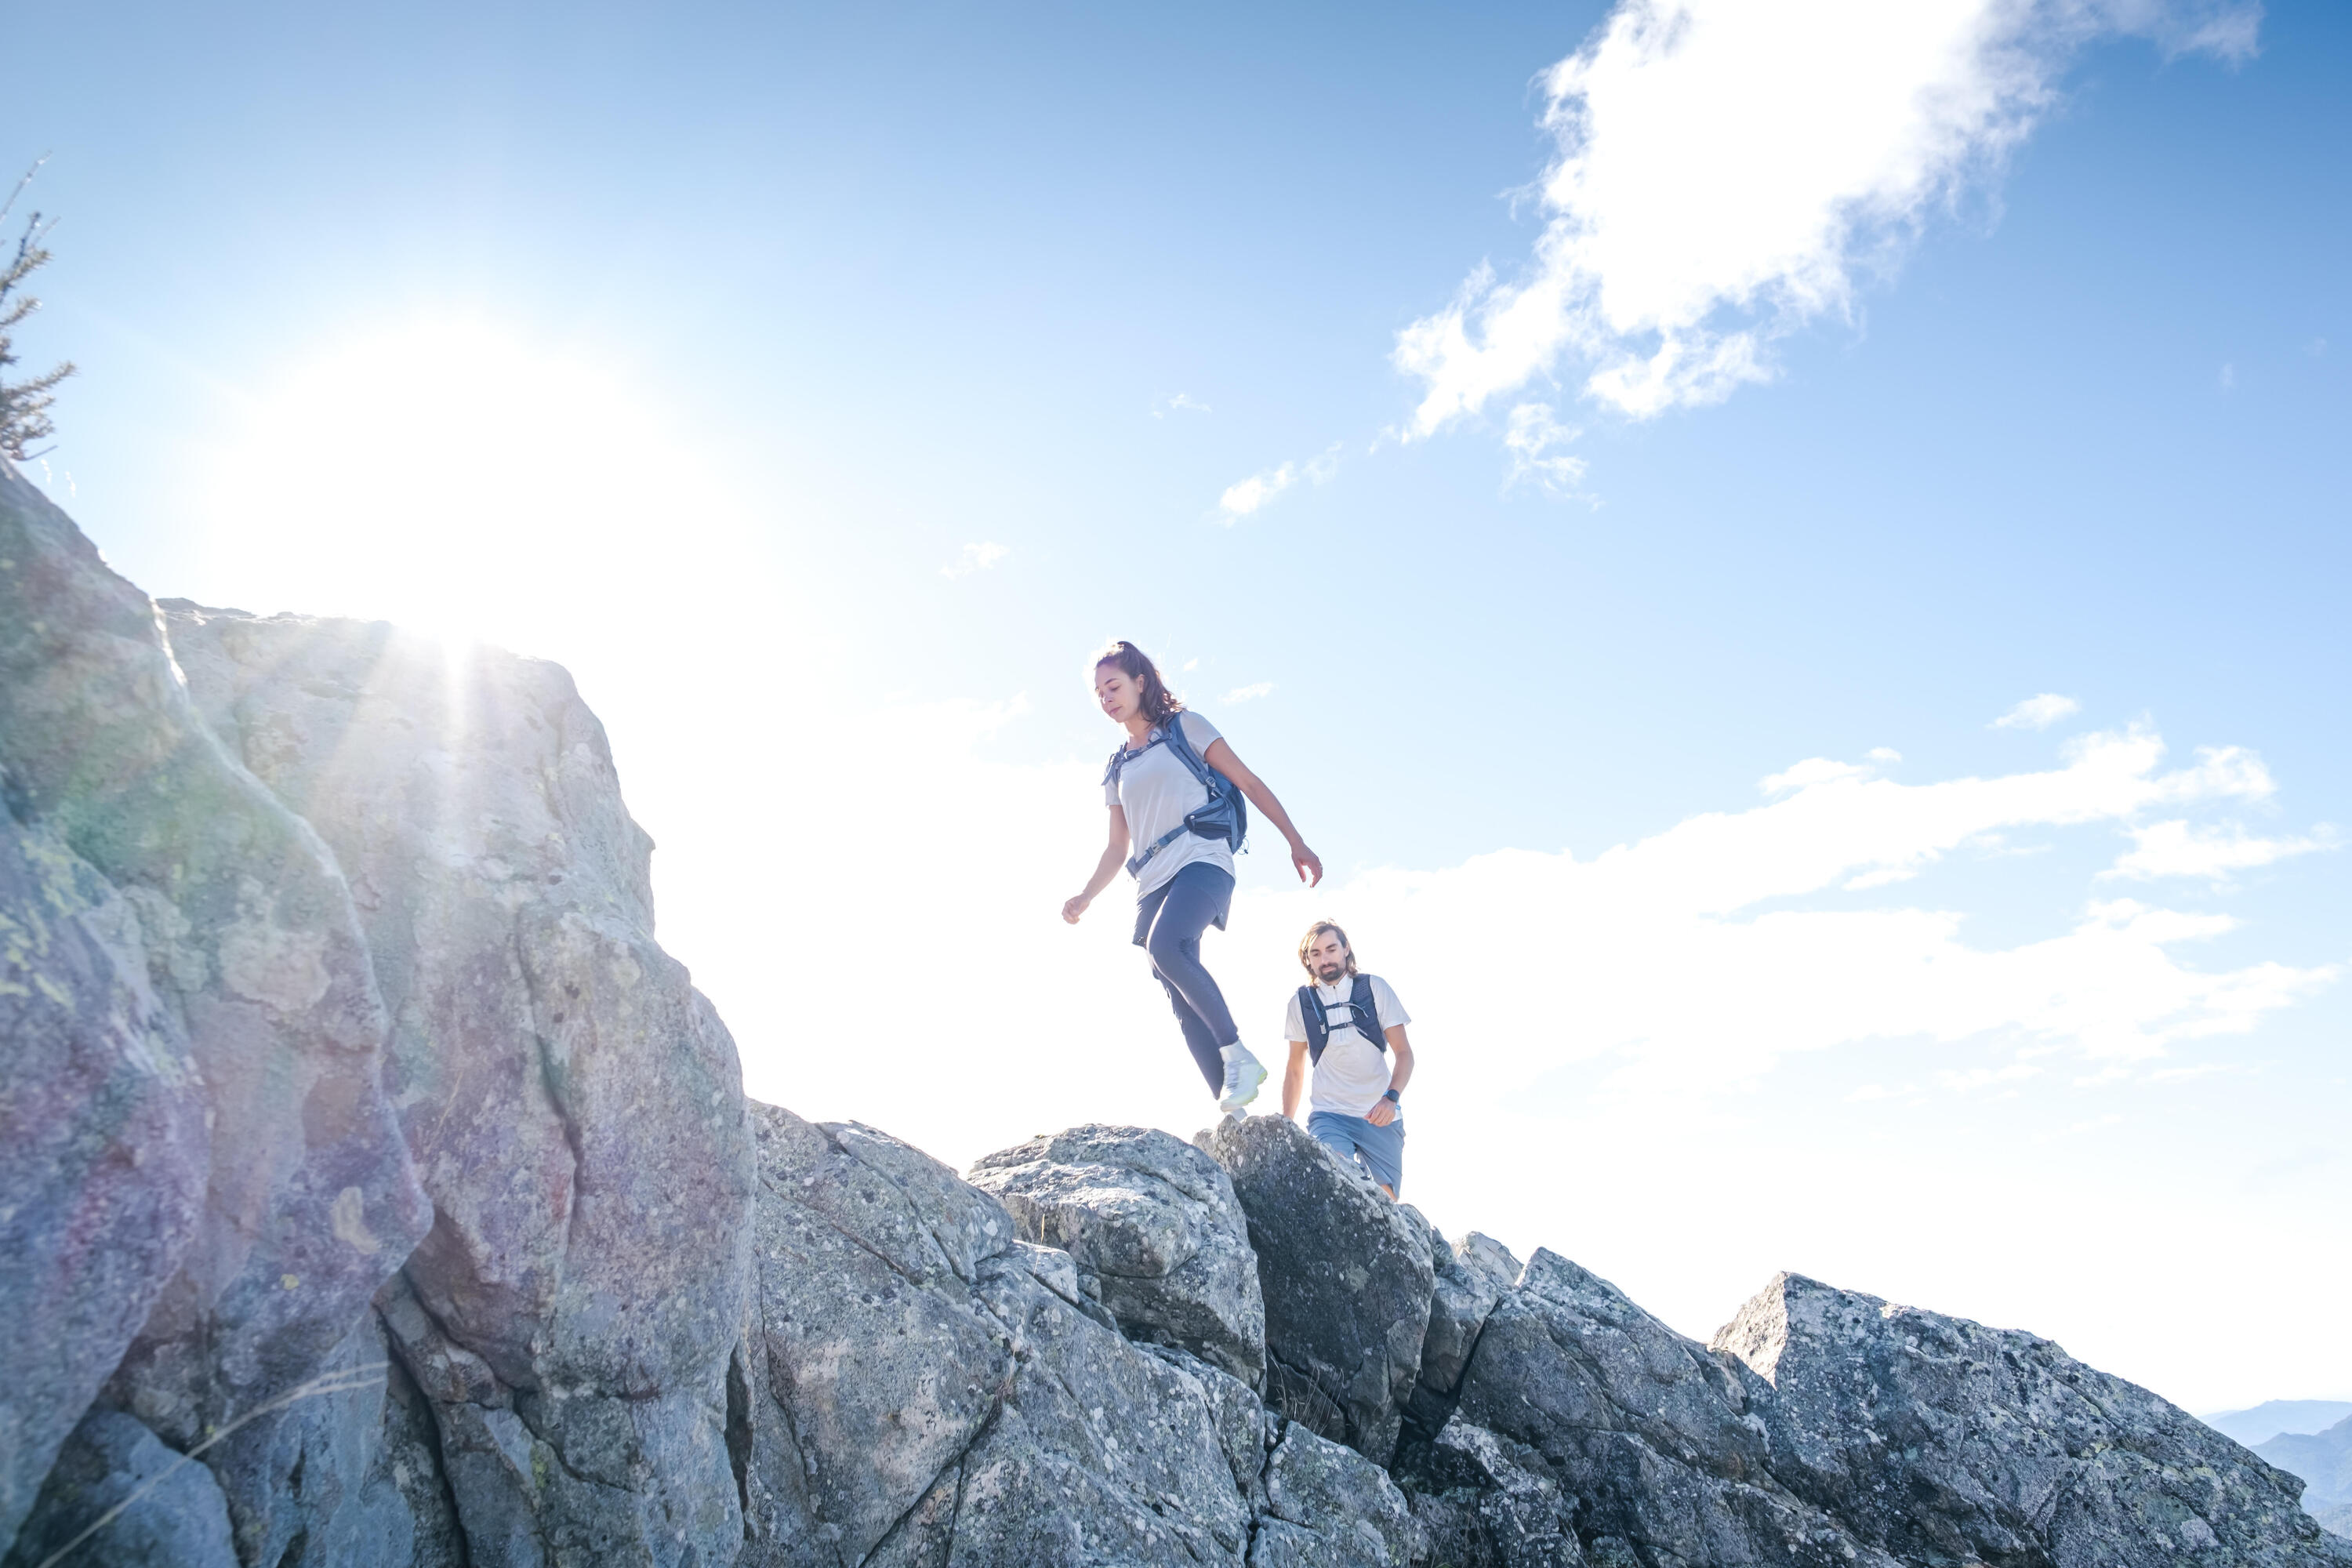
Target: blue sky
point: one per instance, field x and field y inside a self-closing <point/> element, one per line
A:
<point x="808" y="381"/>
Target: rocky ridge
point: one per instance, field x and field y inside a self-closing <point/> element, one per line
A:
<point x="378" y="1192"/>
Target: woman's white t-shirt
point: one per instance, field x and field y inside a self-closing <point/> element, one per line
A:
<point x="1159" y="792"/>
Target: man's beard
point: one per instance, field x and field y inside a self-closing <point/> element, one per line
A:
<point x="1330" y="971"/>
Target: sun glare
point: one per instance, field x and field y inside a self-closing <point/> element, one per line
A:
<point x="449" y="473"/>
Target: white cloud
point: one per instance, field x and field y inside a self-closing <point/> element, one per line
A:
<point x="1883" y="754"/>
<point x="1249" y="693"/>
<point x="1727" y="169"/>
<point x="1533" y="431"/>
<point x="1182" y="403"/>
<point x="2180" y="848"/>
<point x="2229" y="378"/>
<point x="1246" y="497"/>
<point x="2038" y="712"/>
<point x="976" y="558"/>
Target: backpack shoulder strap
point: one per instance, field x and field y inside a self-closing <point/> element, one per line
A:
<point x="1180" y="744"/>
<point x="1319" y="1023"/>
<point x="1362" y="1003"/>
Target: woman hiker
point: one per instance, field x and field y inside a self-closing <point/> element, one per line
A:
<point x="1170" y="789"/>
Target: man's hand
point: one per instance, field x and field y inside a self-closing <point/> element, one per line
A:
<point x="1073" y="908"/>
<point x="1310" y="867"/>
<point x="1384" y="1111"/>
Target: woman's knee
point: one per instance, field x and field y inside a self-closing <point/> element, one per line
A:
<point x="1171" y="953"/>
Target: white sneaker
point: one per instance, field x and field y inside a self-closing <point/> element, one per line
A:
<point x="1244" y="1073"/>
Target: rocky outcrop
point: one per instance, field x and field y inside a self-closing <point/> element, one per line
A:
<point x="1650" y="1432"/>
<point x="1472" y="1276"/>
<point x="206" y="1181"/>
<point x="376" y="1193"/>
<point x="1155" y="1230"/>
<point x="1347" y="1278"/>
<point x="1480" y="1498"/>
<point x="1932" y="1437"/>
<point x="925" y="1387"/>
<point x="574" y="1106"/>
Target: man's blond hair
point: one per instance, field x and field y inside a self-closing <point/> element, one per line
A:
<point x="1307" y="941"/>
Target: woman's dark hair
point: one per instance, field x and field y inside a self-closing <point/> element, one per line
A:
<point x="1159" y="702"/>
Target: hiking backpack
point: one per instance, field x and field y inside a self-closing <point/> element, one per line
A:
<point x="1367" y="1019"/>
<point x="1224" y="814"/>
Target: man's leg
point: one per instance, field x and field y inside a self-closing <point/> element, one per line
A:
<point x="1346" y="1136"/>
<point x="1381" y="1149"/>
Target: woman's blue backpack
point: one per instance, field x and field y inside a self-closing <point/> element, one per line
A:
<point x="1226" y="813"/>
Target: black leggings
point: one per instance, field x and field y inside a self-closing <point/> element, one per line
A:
<point x="1169" y="922"/>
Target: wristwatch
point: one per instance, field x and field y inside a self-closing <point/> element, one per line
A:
<point x="1392" y="1098"/>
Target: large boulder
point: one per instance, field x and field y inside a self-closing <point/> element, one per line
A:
<point x="1472" y="1276"/>
<point x="1482" y="1499"/>
<point x="574" y="1105"/>
<point x="1329" y="1507"/>
<point x="925" y="1387"/>
<point x="1155" y="1230"/>
<point x="103" y="1149"/>
<point x="204" y="968"/>
<point x="1939" y="1439"/>
<point x="1347" y="1278"/>
<point x="120" y="1498"/>
<point x="1649" y="1431"/>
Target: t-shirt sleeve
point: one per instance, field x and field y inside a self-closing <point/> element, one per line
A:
<point x="1294" y="1022"/>
<point x="1197" y="731"/>
<point x="1110" y="791"/>
<point x="1385" y="1003"/>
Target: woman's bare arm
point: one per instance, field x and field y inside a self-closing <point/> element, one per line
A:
<point x="1113" y="861"/>
<point x="1221" y="757"/>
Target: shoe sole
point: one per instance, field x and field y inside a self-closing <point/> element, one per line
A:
<point x="1243" y="1095"/>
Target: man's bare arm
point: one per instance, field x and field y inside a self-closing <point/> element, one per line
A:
<point x="1294" y="1079"/>
<point x="1381" y="1114"/>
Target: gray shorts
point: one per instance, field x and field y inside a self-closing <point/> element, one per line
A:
<point x="1379" y="1149"/>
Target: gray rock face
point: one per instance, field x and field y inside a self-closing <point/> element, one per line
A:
<point x="1348" y="1281"/>
<point x="1155" y="1230"/>
<point x="375" y="1193"/>
<point x="1934" y="1438"/>
<point x="103" y="1148"/>
<point x="1329" y="1507"/>
<point x="171" y="1513"/>
<point x="1485" y="1500"/>
<point x="574" y="1105"/>
<point x="1650" y="1432"/>
<point x="1472" y="1276"/>
<point x="2324" y="1460"/>
<point x="924" y="1389"/>
<point x="236" y="996"/>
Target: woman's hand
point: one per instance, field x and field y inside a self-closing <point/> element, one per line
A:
<point x="1073" y="908"/>
<point x="1310" y="867"/>
<point x="1382" y="1112"/>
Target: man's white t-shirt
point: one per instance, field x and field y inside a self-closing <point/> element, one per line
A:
<point x="1352" y="1074"/>
<point x="1159" y="792"/>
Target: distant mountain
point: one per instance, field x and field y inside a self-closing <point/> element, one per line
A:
<point x="2324" y="1459"/>
<point x="2272" y="1416"/>
<point x="2337" y="1521"/>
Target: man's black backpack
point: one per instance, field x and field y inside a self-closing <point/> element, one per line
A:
<point x="1224" y="815"/>
<point x="1318" y="1019"/>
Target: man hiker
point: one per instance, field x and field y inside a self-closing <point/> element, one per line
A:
<point x="1346" y="1024"/>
